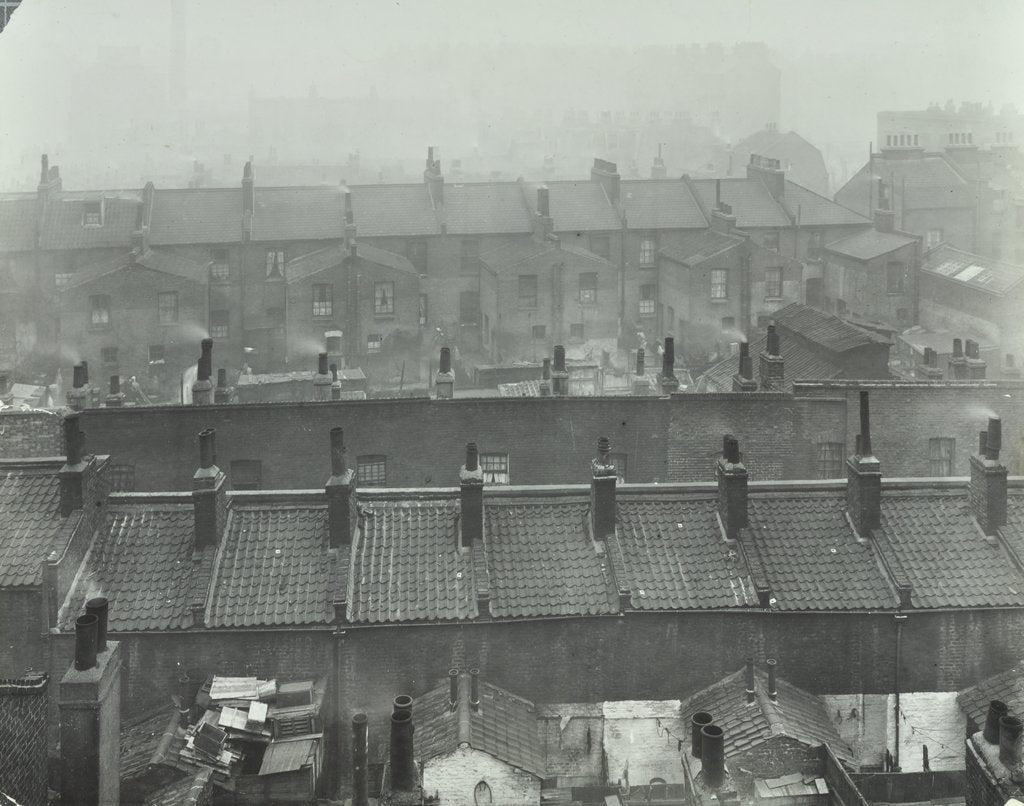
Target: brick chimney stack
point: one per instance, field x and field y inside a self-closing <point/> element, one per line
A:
<point x="987" y="490"/>
<point x="607" y="173"/>
<point x="79" y="394"/>
<point x="732" y="487"/>
<point x="864" y="478"/>
<point x="202" y="389"/>
<point x="602" y="492"/>
<point x="444" y="382"/>
<point x="543" y="222"/>
<point x="930" y="370"/>
<point x="773" y="368"/>
<point x="770" y="172"/>
<point x="90" y="719"/>
<point x="222" y="392"/>
<point x="958" y="362"/>
<point x="668" y="381"/>
<point x="658" y="170"/>
<point x="115" y="398"/>
<point x="743" y="380"/>
<point x="641" y="384"/>
<point x="471" y="498"/>
<point x="350" y="220"/>
<point x="78" y="469"/>
<point x="545" y="378"/>
<point x="976" y="366"/>
<point x="359" y="761"/>
<point x="335" y="383"/>
<point x="209" y="498"/>
<point x="340" y="491"/>
<point x="322" y="379"/>
<point x="559" y="374"/>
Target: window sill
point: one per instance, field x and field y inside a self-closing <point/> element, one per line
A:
<point x="99" y="328"/>
<point x="774" y="299"/>
<point x="719" y="300"/>
<point x="648" y="265"/>
<point x="319" y="316"/>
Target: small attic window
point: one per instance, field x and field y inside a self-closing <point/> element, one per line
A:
<point x="92" y="213"/>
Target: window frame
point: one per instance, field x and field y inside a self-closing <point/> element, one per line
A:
<point x="577" y="331"/>
<point x="108" y="356"/>
<point x="496" y="468"/>
<point x="92" y="213"/>
<point x="275" y="264"/>
<point x="388" y="309"/>
<point x="99" y="304"/>
<point x="323" y="302"/>
<point x="648" y="252"/>
<point x="773" y="282"/>
<point x="830" y="458"/>
<point x="374" y="342"/>
<point x="719" y="282"/>
<point x="938" y="461"/>
<point x="528" y="300"/>
<point x="167" y="314"/>
<point x="588" y="289"/>
<point x="220" y="269"/>
<point x="772" y="240"/>
<point x="374" y="464"/>
<point x="647" y="302"/>
<point x="220" y="329"/>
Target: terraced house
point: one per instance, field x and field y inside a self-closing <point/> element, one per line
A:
<point x="500" y="269"/>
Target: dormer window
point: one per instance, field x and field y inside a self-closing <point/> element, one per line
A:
<point x="92" y="214"/>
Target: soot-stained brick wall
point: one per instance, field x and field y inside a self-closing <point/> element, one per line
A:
<point x="31" y="433"/>
<point x="23" y="758"/>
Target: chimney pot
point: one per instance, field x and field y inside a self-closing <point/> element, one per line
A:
<point x="773" y="691"/>
<point x="995" y="439"/>
<point x="732" y="487"/>
<point x="474" y="689"/>
<point x="772" y="347"/>
<point x="640" y="361"/>
<point x="207" y="454"/>
<point x="115" y="384"/>
<point x="697" y="723"/>
<point x="472" y="456"/>
<point x="338" y="464"/>
<point x="403" y="767"/>
<point x="80" y="376"/>
<point x="982" y="443"/>
<point x="865" y="424"/>
<point x="360" y="790"/>
<point x="1010" y="740"/>
<point x="668" y="359"/>
<point x="996" y="710"/>
<point x="85" y="641"/>
<point x="603" y="492"/>
<point x="206" y="360"/>
<point x="99" y="607"/>
<point x="546" y="370"/>
<point x="222" y="377"/>
<point x="446" y="360"/>
<point x="453" y="688"/>
<point x="751" y="695"/>
<point x="471" y="499"/>
<point x="958" y="349"/>
<point x="403" y="702"/>
<point x="731" y="449"/>
<point x="543" y="202"/>
<point x="322" y="364"/>
<point x="712" y="755"/>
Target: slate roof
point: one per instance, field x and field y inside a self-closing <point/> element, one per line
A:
<point x="660" y="204"/>
<point x="1006" y="686"/>
<point x="17" y="224"/>
<point x="814" y="210"/>
<point x="751" y="202"/>
<point x="530" y="545"/>
<point x="311" y="263"/>
<point x="982" y="273"/>
<point x="505" y="726"/>
<point x="31" y="523"/>
<point x="672" y="555"/>
<point x="372" y="254"/>
<point x="153" y="259"/>
<point x="407" y="565"/>
<point x="273" y="570"/>
<point x="797" y="714"/>
<point x="140" y="739"/>
<point x="207" y="215"/>
<point x="694" y="249"/>
<point x="521" y="252"/>
<point x="62" y="226"/>
<point x="297" y="213"/>
<point x="870" y="244"/>
<point x="485" y="207"/>
<point x="801" y="364"/>
<point x="829" y="331"/>
<point x="929" y="182"/>
<point x="141" y="559"/>
<point x="576" y="206"/>
<point x="398" y="210"/>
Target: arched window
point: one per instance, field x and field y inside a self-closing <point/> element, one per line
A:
<point x="482" y="794"/>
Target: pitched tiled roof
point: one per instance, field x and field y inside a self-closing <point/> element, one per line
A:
<point x="17" y="224"/>
<point x="671" y="555"/>
<point x="530" y="546"/>
<point x="1006" y="687"/>
<point x="274" y="569"/>
<point x="813" y="210"/>
<point x="870" y="244"/>
<point x="660" y="204"/>
<point x="141" y="737"/>
<point x="63" y="227"/>
<point x="751" y="202"/>
<point x="822" y="328"/>
<point x="576" y="206"/>
<point x="811" y="556"/>
<point x="923" y="182"/>
<point x="30" y="523"/>
<point x="938" y="547"/>
<point x="141" y="559"/>
<point x="486" y="207"/>
<point x="208" y="215"/>
<point x="797" y="714"/>
<point x="407" y="565"/>
<point x="315" y="262"/>
<point x="975" y="271"/>
<point x="298" y="213"/>
<point x="383" y="257"/>
<point x="154" y="259"/>
<point x="398" y="210"/>
<point x="505" y="726"/>
<point x="801" y="364"/>
<point x="521" y="252"/>
<point x="700" y="246"/>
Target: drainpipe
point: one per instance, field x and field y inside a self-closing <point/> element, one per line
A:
<point x="900" y="620"/>
<point x="622" y="276"/>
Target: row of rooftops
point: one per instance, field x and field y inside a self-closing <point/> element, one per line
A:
<point x="84" y="219"/>
<point x="172" y="561"/>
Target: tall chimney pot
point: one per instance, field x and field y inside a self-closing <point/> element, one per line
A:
<point x="958" y="348"/>
<point x="864" y="478"/>
<point x="471" y="499"/>
<point x="865" y="424"/>
<point x="996" y="710"/>
<point x="338" y="463"/>
<point x="360" y="789"/>
<point x="697" y="723"/>
<point x="712" y="755"/>
<point x="773" y="691"/>
<point x="80" y="376"/>
<point x="559" y="374"/>
<point x="474" y="689"/>
<point x="115" y="384"/>
<point x="402" y="702"/>
<point x="749" y="691"/>
<point x="99" y="607"/>
<point x="444" y="383"/>
<point x="207" y="450"/>
<point x="640" y="362"/>
<point x="603" y="492"/>
<point x="205" y="369"/>
<point x="403" y="766"/>
<point x="994" y="442"/>
<point x="1010" y="728"/>
<point x="446" y="359"/>
<point x="85" y="641"/>
<point x="73" y="439"/>
<point x="559" y="358"/>
<point x="453" y="688"/>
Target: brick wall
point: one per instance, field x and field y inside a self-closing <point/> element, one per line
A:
<point x="22" y="642"/>
<point x="982" y="786"/>
<point x="23" y="759"/>
<point x="455" y="776"/>
<point x="31" y="433"/>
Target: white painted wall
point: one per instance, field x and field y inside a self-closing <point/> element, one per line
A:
<point x="454" y="777"/>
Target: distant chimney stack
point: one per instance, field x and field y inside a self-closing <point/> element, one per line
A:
<point x="453" y="688"/>
<point x="471" y="504"/>
<point x="222" y="392"/>
<point x="340" y="491"/>
<point x="743" y="380"/>
<point x="641" y="384"/>
<point x="209" y="499"/>
<point x="930" y="369"/>
<point x="79" y="393"/>
<point x="773" y="368"/>
<point x="885" y="220"/>
<point x="202" y="388"/>
<point x="864" y="479"/>
<point x="77" y="471"/>
<point x="749" y="691"/>
<point x="602" y="492"/>
<point x="769" y="171"/>
<point x="987" y="491"/>
<point x="958" y="370"/>
<point x="976" y="366"/>
<point x="559" y="374"/>
<point x="474" y="689"/>
<point x="607" y="174"/>
<point x="115" y="398"/>
<point x="444" y="383"/>
<point x="668" y="381"/>
<point x="322" y="379"/>
<point x="732" y="487"/>
<point x="545" y="378"/>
